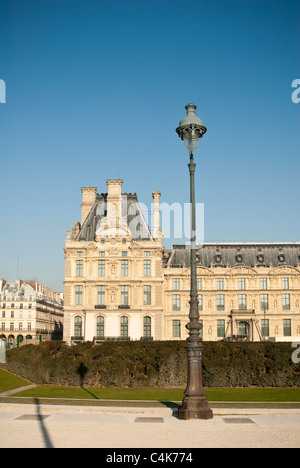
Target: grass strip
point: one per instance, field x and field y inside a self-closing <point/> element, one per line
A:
<point x="10" y="381"/>
<point x="165" y="394"/>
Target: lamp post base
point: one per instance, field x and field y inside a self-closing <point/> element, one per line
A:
<point x="194" y="404"/>
<point x="195" y="408"/>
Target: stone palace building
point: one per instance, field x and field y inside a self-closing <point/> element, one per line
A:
<point x="30" y="312"/>
<point x="122" y="284"/>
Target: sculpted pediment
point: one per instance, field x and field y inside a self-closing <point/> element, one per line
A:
<point x="284" y="270"/>
<point x="110" y="227"/>
<point x="204" y="271"/>
<point x="241" y="270"/>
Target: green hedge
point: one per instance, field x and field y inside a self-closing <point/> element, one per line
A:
<point x="150" y="364"/>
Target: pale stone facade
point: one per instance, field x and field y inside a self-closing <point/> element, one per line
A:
<point x="114" y="283"/>
<point x="120" y="282"/>
<point x="238" y="302"/>
<point x="30" y="312"/>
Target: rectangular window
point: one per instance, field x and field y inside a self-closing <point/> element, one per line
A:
<point x="124" y="254"/>
<point x="79" y="254"/>
<point x="265" y="328"/>
<point x="101" y="295"/>
<point x="147" y="267"/>
<point x="11" y="326"/>
<point x="12" y="314"/>
<point x="101" y="253"/>
<point x="124" y="327"/>
<point x="199" y="284"/>
<point x="29" y="326"/>
<point x="285" y="283"/>
<point x="147" y="327"/>
<point x="78" y="295"/>
<point x="176" y="284"/>
<point x="147" y="295"/>
<point x="147" y="254"/>
<point x="124" y="268"/>
<point x="200" y="302"/>
<point x="100" y="327"/>
<point x="286" y="301"/>
<point x="263" y="283"/>
<point x="220" y="302"/>
<point x="101" y="268"/>
<point x="242" y="302"/>
<point x="176" y="302"/>
<point x="221" y="328"/>
<point x="20" y="326"/>
<point x="176" y="329"/>
<point x="242" y="283"/>
<point x="287" y="327"/>
<point x="3" y="325"/>
<point x="79" y="268"/>
<point x="264" y="301"/>
<point x="220" y="284"/>
<point x="124" y="295"/>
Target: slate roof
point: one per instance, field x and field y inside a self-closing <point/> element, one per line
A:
<point x="131" y="212"/>
<point x="231" y="255"/>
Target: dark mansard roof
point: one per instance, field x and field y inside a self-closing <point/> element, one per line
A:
<point x="131" y="213"/>
<point x="231" y="255"/>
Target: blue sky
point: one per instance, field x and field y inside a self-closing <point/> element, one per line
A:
<point x="95" y="90"/>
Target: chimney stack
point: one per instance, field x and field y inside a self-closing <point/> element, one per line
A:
<point x="156" y="214"/>
<point x="114" y="198"/>
<point x="88" y="200"/>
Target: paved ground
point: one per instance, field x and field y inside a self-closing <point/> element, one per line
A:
<point x="35" y="426"/>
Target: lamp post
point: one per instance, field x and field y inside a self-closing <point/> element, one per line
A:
<point x="194" y="404"/>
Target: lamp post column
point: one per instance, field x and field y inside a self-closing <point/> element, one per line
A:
<point x="194" y="404"/>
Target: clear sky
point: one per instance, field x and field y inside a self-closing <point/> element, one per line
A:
<point x="95" y="90"/>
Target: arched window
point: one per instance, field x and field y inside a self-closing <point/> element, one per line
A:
<point x="147" y="327"/>
<point x="78" y="326"/>
<point x="100" y="327"/>
<point x="124" y="327"/>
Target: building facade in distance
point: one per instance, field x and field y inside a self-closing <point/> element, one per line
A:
<point x="246" y="291"/>
<point x="113" y="270"/>
<point x="30" y="312"/>
<point x="121" y="283"/>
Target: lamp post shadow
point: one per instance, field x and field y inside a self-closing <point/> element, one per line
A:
<point x="46" y="436"/>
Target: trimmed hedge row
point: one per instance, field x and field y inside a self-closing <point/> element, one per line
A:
<point x="150" y="364"/>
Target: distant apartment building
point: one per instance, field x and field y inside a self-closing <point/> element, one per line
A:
<point x="30" y="312"/>
<point x="121" y="283"/>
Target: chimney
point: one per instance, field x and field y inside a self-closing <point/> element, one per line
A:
<point x="88" y="200"/>
<point x="156" y="214"/>
<point x="114" y="198"/>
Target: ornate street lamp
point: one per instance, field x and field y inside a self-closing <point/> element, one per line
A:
<point x="194" y="404"/>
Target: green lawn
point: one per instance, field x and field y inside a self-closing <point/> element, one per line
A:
<point x="9" y="381"/>
<point x="171" y="394"/>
